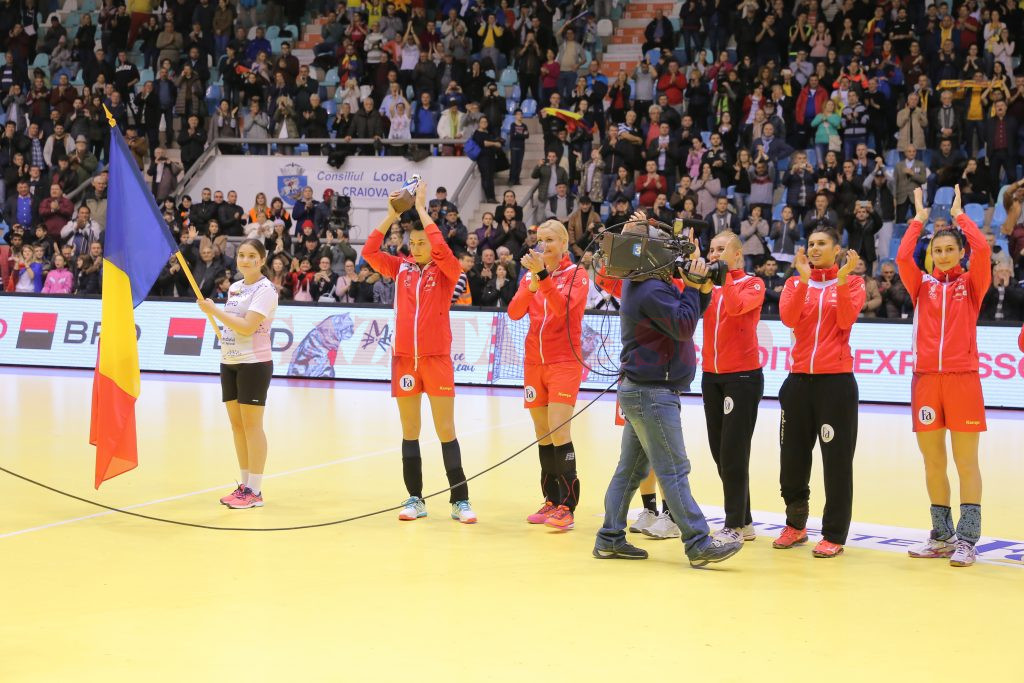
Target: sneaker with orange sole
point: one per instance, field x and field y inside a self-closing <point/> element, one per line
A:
<point x="789" y="538"/>
<point x="541" y="516"/>
<point x="827" y="549"/>
<point x="561" y="519"/>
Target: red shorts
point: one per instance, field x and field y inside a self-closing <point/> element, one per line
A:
<point x="433" y="375"/>
<point x="552" y="383"/>
<point x="948" y="401"/>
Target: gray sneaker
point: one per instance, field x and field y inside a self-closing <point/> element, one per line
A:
<point x="624" y="551"/>
<point x="663" y="528"/>
<point x="644" y="521"/>
<point x="963" y="554"/>
<point x="749" y="533"/>
<point x="723" y="545"/>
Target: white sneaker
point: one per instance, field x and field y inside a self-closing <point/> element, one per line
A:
<point x="414" y="508"/>
<point x="728" y="535"/>
<point x="644" y="521"/>
<point x="963" y="554"/>
<point x="663" y="528"/>
<point x="462" y="512"/>
<point x="934" y="548"/>
<point x="748" y="532"/>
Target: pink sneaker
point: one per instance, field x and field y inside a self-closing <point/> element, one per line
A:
<point x="248" y="499"/>
<point x="234" y="495"/>
<point x="541" y="516"/>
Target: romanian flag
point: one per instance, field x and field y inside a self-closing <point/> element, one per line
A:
<point x="136" y="248"/>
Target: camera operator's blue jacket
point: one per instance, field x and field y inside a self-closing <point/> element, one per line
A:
<point x="657" y="333"/>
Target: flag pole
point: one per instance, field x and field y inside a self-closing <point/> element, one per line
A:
<point x="177" y="252"/>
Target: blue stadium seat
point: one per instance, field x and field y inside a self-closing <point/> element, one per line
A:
<point x="777" y="211"/>
<point x="898" y="231"/>
<point x="705" y="136"/>
<point x="511" y="106"/>
<point x="812" y="156"/>
<point x="506" y="124"/>
<point x="998" y="217"/>
<point x="976" y="212"/>
<point x="892" y="157"/>
<point x="529" y="107"/>
<point x="273" y="31"/>
<point x="944" y="195"/>
<point x="331" y="77"/>
<point x="330" y="106"/>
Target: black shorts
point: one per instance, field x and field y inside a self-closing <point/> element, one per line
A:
<point x="246" y="383"/>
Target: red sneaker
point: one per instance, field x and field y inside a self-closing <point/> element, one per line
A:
<point x="247" y="500"/>
<point x="541" y="516"/>
<point x="560" y="519"/>
<point x="234" y="495"/>
<point x="790" y="537"/>
<point x="827" y="549"/>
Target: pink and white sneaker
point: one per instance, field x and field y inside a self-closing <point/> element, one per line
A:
<point x="234" y="495"/>
<point x="248" y="499"/>
<point x="541" y="516"/>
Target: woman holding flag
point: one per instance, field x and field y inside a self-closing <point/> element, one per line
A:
<point x="246" y="367"/>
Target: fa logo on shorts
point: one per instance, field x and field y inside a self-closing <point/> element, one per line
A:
<point x="926" y="415"/>
<point x="530" y="393"/>
<point x="407" y="382"/>
<point x="728" y="405"/>
<point x="827" y="433"/>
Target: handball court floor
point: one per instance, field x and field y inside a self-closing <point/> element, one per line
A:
<point x="92" y="595"/>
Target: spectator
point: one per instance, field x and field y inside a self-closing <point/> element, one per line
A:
<point x="910" y="175"/>
<point x="59" y="280"/>
<point x="55" y="212"/>
<point x="773" y="285"/>
<point x="895" y="298"/>
<point x="1005" y="298"/>
<point x="753" y="234"/>
<point x="873" y="296"/>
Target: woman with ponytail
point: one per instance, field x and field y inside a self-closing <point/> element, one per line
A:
<point x="246" y="367"/>
<point x="946" y="390"/>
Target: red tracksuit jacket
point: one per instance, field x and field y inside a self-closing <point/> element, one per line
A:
<point x="821" y="314"/>
<point x="946" y="304"/>
<point x="547" y="341"/>
<point x="730" y="325"/>
<point x="423" y="296"/>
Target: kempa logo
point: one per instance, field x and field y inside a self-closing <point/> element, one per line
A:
<point x="185" y="337"/>
<point x="36" y="331"/>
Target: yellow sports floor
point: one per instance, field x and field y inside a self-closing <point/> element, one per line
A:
<point x="95" y="596"/>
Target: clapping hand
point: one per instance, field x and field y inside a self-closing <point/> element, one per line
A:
<point x="956" y="208"/>
<point x="802" y="264"/>
<point x="920" y="212"/>
<point x="637" y="224"/>
<point x="852" y="259"/>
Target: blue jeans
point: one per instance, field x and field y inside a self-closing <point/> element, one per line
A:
<point x="653" y="437"/>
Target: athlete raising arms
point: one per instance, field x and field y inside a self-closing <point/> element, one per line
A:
<point x="553" y="374"/>
<point x="422" y="356"/>
<point x="946" y="389"/>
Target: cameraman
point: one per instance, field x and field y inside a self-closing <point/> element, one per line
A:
<point x="658" y="363"/>
<point x="732" y="383"/>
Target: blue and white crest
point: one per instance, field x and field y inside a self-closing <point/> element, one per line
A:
<point x="636" y="249"/>
<point x="290" y="183"/>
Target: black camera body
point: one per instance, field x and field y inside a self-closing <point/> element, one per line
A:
<point x="632" y="256"/>
<point x="338" y="218"/>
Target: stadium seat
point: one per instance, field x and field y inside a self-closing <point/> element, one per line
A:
<point x="508" y="78"/>
<point x="293" y="30"/>
<point x="976" y="212"/>
<point x="273" y="31"/>
<point x="605" y="28"/>
<point x="145" y="75"/>
<point x="777" y="211"/>
<point x="998" y="217"/>
<point x="529" y="107"/>
<point x="330" y="106"/>
<point x="898" y="230"/>
<point x="331" y="77"/>
<point x="944" y="195"/>
<point x="705" y="136"/>
<point x="506" y="125"/>
<point x="812" y="156"/>
<point x="510" y="106"/>
<point x="892" y="157"/>
<point x="42" y="60"/>
<point x="782" y="165"/>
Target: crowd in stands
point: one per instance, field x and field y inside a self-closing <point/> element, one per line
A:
<point x="765" y="118"/>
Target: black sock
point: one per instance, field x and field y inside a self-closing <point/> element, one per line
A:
<point x="548" y="477"/>
<point x="453" y="469"/>
<point x="412" y="467"/>
<point x="664" y="508"/>
<point x="650" y="501"/>
<point x="568" y="482"/>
